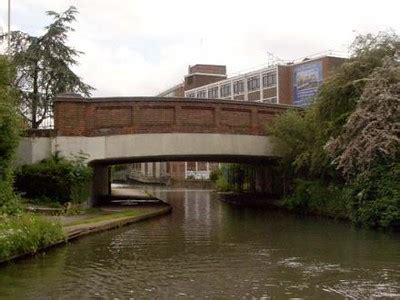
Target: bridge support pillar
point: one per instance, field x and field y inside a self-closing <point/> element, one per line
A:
<point x="101" y="185"/>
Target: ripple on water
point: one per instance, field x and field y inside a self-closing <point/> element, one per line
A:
<point x="207" y="249"/>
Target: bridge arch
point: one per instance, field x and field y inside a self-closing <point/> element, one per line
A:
<point x="139" y="129"/>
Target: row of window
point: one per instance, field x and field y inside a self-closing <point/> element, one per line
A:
<point x="225" y="90"/>
<point x="201" y="94"/>
<point x="253" y="84"/>
<point x="213" y="93"/>
<point x="238" y="87"/>
<point x="269" y="79"/>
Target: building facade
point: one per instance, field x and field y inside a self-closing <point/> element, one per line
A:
<point x="293" y="83"/>
<point x="288" y="83"/>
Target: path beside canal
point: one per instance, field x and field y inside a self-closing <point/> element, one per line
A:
<point x="131" y="206"/>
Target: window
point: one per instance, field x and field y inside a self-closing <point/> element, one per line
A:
<point x="238" y="87"/>
<point x="213" y="93"/>
<point x="191" y="95"/>
<point x="201" y="94"/>
<point x="191" y="166"/>
<point x="269" y="79"/>
<point x="253" y="83"/>
<point x="226" y="90"/>
<point x="202" y="166"/>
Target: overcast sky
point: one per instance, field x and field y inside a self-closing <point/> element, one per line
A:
<point x="141" y="47"/>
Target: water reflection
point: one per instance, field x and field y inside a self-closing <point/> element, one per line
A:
<point x="209" y="249"/>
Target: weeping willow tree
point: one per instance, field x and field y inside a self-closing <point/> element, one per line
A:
<point x="43" y="67"/>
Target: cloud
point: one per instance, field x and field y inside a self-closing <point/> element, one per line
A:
<point x="140" y="47"/>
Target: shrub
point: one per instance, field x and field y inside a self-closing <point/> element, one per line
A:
<point x="9" y="201"/>
<point x="10" y="126"/>
<point x="377" y="197"/>
<point x="58" y="179"/>
<point x="215" y="174"/>
<point x="320" y="198"/>
<point x="383" y="212"/>
<point x="222" y="185"/>
<point x="27" y="234"/>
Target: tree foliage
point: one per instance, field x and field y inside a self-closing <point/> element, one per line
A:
<point x="43" y="65"/>
<point x="349" y="138"/>
<point x="372" y="132"/>
<point x="298" y="138"/>
<point x="9" y="135"/>
<point x="341" y="92"/>
<point x="57" y="180"/>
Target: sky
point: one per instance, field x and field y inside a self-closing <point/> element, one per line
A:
<point x="142" y="47"/>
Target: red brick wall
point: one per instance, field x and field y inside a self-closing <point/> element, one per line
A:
<point x="209" y="69"/>
<point x="285" y="86"/>
<point x="329" y="64"/>
<point x="107" y="116"/>
<point x="194" y="81"/>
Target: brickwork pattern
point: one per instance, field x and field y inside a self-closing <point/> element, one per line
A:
<point x="208" y="69"/>
<point x="109" y="116"/>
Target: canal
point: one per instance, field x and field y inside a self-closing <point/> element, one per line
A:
<point x="207" y="248"/>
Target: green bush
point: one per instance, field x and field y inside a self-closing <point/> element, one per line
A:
<point x="320" y="198"/>
<point x="215" y="174"/>
<point x="9" y="201"/>
<point x="58" y="179"/>
<point x="10" y="125"/>
<point x="27" y="234"/>
<point x="222" y="185"/>
<point x="377" y="197"/>
<point x="383" y="212"/>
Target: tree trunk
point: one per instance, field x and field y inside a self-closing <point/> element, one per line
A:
<point x="35" y="98"/>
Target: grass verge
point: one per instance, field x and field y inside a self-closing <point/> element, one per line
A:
<point x="27" y="233"/>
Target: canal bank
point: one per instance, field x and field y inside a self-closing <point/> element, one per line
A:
<point x="112" y="217"/>
<point x="264" y="201"/>
<point x="121" y="213"/>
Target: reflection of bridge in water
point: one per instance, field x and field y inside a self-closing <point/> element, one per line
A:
<point x="144" y="129"/>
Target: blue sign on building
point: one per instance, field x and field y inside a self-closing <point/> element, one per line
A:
<point x="306" y="80"/>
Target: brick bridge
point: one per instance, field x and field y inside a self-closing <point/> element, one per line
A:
<point x="139" y="129"/>
<point x="77" y="116"/>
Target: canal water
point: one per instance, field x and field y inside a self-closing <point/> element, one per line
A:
<point x="209" y="249"/>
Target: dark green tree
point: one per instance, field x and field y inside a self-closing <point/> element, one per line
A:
<point x="10" y="125"/>
<point x="43" y="67"/>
